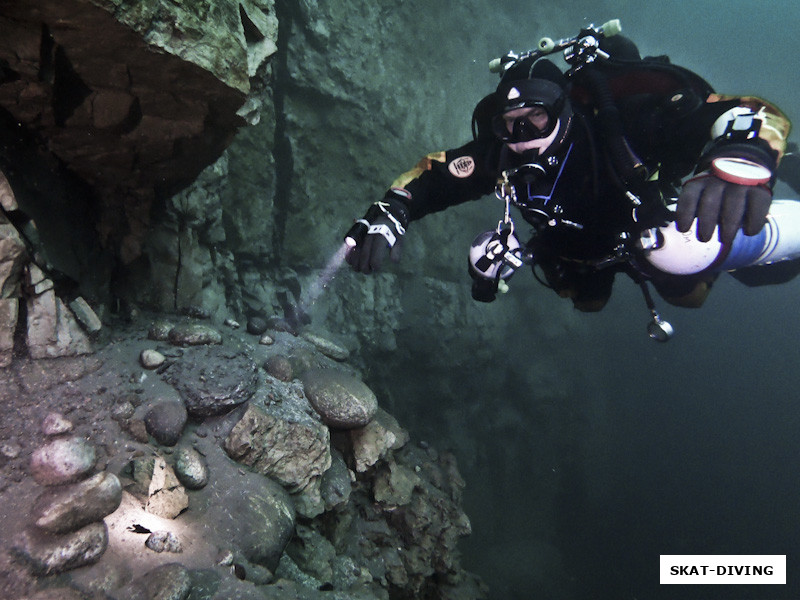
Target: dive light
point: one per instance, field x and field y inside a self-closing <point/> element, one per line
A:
<point x="355" y="235"/>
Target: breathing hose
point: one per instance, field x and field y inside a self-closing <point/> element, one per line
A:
<point x="629" y="166"/>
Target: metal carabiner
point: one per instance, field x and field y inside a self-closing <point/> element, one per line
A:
<point x="505" y="192"/>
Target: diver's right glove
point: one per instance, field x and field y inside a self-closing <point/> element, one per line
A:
<point x="732" y="195"/>
<point x="379" y="233"/>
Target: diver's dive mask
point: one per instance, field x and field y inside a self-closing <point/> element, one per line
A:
<point x="537" y="95"/>
<point x="526" y="126"/>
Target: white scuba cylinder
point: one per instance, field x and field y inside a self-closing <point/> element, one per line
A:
<point x="494" y="252"/>
<point x="678" y="253"/>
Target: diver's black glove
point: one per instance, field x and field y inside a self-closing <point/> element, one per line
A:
<point x="379" y="233"/>
<point x="714" y="201"/>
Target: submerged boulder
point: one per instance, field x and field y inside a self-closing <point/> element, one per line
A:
<point x="247" y="514"/>
<point x="342" y="400"/>
<point x="294" y="451"/>
<point x="212" y="380"/>
<point x="375" y="440"/>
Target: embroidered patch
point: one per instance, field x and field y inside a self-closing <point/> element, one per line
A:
<point x="462" y="167"/>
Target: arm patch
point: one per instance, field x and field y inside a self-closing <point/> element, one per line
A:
<point x="462" y="167"/>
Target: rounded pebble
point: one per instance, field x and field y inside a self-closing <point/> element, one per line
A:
<point x="64" y="460"/>
<point x="56" y="424"/>
<point x="63" y="509"/>
<point x="170" y="581"/>
<point x="327" y="347"/>
<point x="10" y="449"/>
<point x="50" y="555"/>
<point x="256" y="325"/>
<point x="151" y="359"/>
<point x="159" y="331"/>
<point x="165" y="422"/>
<point x="163" y="541"/>
<point x="194" y="334"/>
<point x="279" y="367"/>
<point x="191" y="468"/>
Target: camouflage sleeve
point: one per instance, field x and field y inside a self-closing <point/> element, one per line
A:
<point x="444" y="179"/>
<point x="753" y="129"/>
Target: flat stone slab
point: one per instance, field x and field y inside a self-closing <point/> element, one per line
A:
<point x="212" y="380"/>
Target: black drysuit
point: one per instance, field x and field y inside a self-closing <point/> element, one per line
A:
<point x="608" y="180"/>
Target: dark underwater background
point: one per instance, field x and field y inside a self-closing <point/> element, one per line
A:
<point x="688" y="447"/>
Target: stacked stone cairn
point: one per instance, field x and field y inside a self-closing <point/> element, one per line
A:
<point x="67" y="529"/>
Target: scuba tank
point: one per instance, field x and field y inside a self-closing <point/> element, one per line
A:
<point x="671" y="251"/>
<point x="494" y="255"/>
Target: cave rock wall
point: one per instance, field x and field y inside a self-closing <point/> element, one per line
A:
<point x="135" y="98"/>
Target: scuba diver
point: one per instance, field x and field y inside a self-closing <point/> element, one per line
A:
<point x="619" y="164"/>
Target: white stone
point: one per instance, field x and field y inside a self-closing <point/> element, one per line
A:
<point x="166" y="497"/>
<point x="56" y="424"/>
<point x="151" y="359"/>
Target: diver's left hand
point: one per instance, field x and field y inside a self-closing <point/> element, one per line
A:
<point x="383" y="238"/>
<point x="715" y="202"/>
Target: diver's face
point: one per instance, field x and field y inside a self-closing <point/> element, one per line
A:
<point x="535" y="115"/>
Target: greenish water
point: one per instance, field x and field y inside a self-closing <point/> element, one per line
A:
<point x="693" y="450"/>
